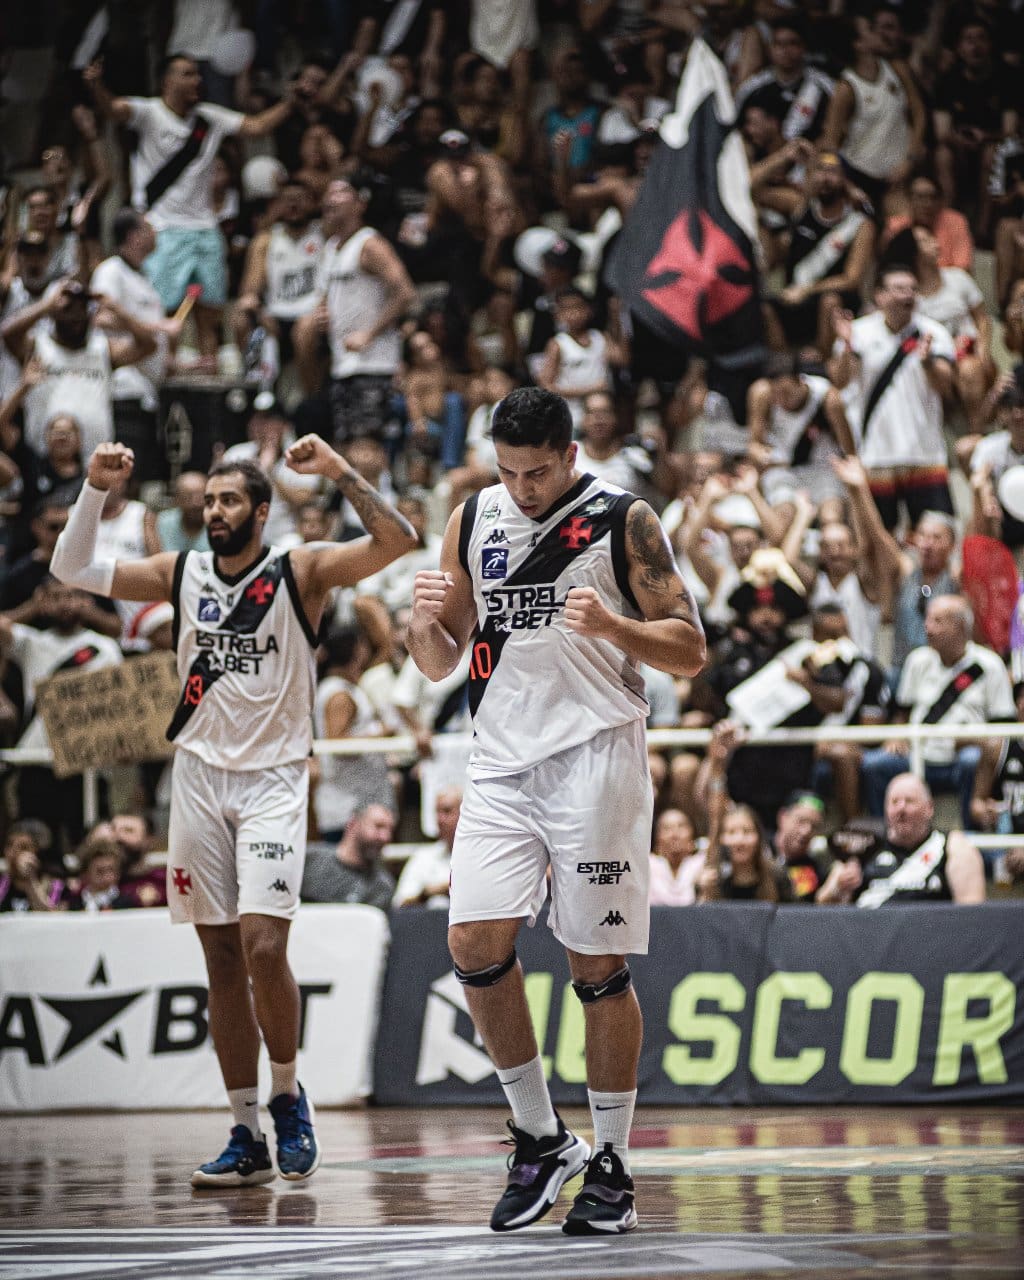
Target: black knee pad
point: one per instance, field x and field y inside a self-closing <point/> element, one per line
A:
<point x="486" y="977"/>
<point x="588" y="992"/>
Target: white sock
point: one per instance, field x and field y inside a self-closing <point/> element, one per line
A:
<point x="527" y="1093"/>
<point x="282" y="1079"/>
<point x="613" y="1118"/>
<point x="245" y="1108"/>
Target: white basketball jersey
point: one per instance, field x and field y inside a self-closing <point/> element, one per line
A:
<point x="292" y="269"/>
<point x="245" y="657"/>
<point x="536" y="687"/>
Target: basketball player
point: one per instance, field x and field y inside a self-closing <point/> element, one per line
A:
<point x="566" y="584"/>
<point x="245" y="623"/>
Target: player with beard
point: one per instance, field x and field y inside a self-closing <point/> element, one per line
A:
<point x="245" y="623"/>
<point x="831" y="247"/>
<point x="281" y="266"/>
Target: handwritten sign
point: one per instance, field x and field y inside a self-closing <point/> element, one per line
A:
<point x="115" y="716"/>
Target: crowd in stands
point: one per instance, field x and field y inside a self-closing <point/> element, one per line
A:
<point x="372" y="221"/>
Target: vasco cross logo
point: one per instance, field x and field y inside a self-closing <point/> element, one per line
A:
<point x="261" y="591"/>
<point x="576" y="533"/>
<point x="613" y="918"/>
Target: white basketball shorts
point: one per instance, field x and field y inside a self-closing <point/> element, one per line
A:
<point x="237" y="841"/>
<point x="586" y="813"/>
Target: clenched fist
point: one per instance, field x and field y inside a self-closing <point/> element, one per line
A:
<point x="311" y="455"/>
<point x="429" y="592"/>
<point x="110" y="462"/>
<point x="586" y="613"/>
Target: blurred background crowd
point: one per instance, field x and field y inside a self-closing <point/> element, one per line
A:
<point x="226" y="224"/>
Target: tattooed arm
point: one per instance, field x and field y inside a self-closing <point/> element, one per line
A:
<point x="669" y="636"/>
<point x="320" y="566"/>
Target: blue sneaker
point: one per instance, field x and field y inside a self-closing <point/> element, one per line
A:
<point x="244" y="1162"/>
<point x="298" y="1155"/>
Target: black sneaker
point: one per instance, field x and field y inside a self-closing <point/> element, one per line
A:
<point x="537" y="1170"/>
<point x="604" y="1204"/>
<point x="244" y="1162"/>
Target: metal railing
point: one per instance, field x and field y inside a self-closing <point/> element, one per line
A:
<point x="405" y="745"/>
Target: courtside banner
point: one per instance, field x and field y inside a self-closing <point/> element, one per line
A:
<point x="745" y="1004"/>
<point x="109" y="1011"/>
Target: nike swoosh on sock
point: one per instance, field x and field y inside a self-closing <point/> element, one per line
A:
<point x="618" y="1107"/>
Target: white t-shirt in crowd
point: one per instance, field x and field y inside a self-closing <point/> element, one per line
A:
<point x="997" y="453"/>
<point x="950" y="305"/>
<point x="905" y="429"/>
<point x="925" y="678"/>
<point x="132" y="290"/>
<point x="39" y="654"/>
<point x="198" y="24"/>
<point x="188" y="201"/>
<point x="429" y="865"/>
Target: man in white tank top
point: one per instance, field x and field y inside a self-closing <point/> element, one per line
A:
<point x="282" y="268"/>
<point x="365" y="290"/>
<point x="876" y="119"/>
<point x="565" y="585"/>
<point x="245" y="622"/>
<point x="77" y="362"/>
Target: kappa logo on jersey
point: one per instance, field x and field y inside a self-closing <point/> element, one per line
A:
<point x="603" y="872"/>
<point x="498" y="536"/>
<point x="576" y="533"/>
<point x="494" y="562"/>
<point x="209" y="609"/>
<point x="279" y="886"/>
<point x="613" y="918"/>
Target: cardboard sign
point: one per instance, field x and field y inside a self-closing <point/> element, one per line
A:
<point x="115" y="716"/>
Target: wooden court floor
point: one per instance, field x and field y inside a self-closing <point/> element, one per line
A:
<point x="407" y="1194"/>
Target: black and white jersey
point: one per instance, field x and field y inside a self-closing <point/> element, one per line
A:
<point x="293" y="267"/>
<point x="245" y="658"/>
<point x="537" y="688"/>
<point x="897" y="876"/>
<point x="1009" y="782"/>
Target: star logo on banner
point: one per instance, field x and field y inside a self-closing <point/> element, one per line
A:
<point x="86" y="1016"/>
